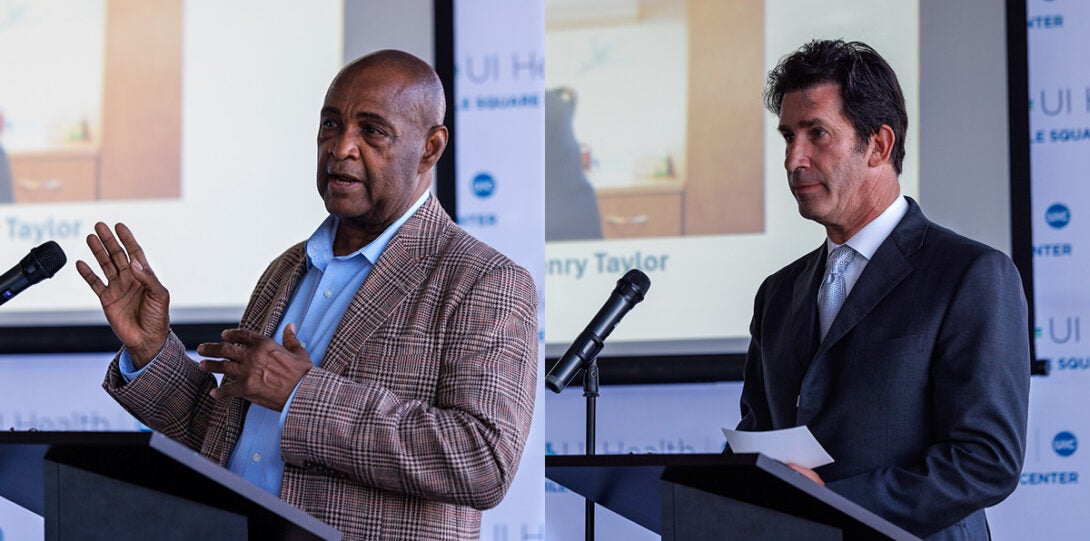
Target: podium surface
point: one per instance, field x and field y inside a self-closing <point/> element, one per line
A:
<point x="100" y="481"/>
<point x="636" y="487"/>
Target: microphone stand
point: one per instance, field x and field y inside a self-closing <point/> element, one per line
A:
<point x="590" y="392"/>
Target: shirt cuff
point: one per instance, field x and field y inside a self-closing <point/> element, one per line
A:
<point x="284" y="412"/>
<point x="128" y="369"/>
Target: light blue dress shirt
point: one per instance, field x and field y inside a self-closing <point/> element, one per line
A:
<point x="316" y="308"/>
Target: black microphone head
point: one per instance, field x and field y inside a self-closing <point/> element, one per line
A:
<point x="43" y="261"/>
<point x="634" y="281"/>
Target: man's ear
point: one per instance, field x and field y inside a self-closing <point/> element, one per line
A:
<point x="434" y="144"/>
<point x="881" y="146"/>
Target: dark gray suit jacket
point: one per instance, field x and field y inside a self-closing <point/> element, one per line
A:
<point x="920" y="389"/>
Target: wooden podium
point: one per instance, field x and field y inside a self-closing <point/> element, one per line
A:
<point x="140" y="485"/>
<point x="703" y="496"/>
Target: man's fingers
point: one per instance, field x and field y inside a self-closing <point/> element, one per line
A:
<point x="807" y="472"/>
<point x="117" y="255"/>
<point x="103" y="258"/>
<point x="136" y="253"/>
<point x="226" y="390"/>
<point x="227" y="368"/>
<point x="113" y="260"/>
<point x="90" y="277"/>
<point x="223" y="350"/>
<point x="242" y="336"/>
<point x="215" y="367"/>
<point x="290" y="340"/>
<point x="148" y="279"/>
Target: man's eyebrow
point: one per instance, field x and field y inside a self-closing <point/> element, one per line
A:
<point x="367" y="115"/>
<point x="329" y="110"/>
<point x="805" y="123"/>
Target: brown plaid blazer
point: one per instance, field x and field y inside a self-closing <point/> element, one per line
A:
<point x="418" y="414"/>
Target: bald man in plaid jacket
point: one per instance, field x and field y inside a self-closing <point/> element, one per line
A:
<point x="417" y="414"/>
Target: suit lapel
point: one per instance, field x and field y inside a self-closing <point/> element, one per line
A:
<point x="886" y="269"/>
<point x="284" y="293"/>
<point x="273" y="303"/>
<point x="804" y="306"/>
<point x="400" y="270"/>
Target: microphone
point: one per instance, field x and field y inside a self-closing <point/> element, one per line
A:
<point x="42" y="262"/>
<point x="630" y="290"/>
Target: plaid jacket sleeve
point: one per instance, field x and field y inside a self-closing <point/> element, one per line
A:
<point x="183" y="413"/>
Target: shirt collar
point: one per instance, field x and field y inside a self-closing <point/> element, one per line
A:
<point x="320" y="244"/>
<point x="867" y="240"/>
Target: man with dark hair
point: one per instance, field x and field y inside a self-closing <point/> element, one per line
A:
<point x="903" y="346"/>
<point x="383" y="375"/>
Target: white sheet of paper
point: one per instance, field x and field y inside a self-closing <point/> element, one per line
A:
<point x="790" y="445"/>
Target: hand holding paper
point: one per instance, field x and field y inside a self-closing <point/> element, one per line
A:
<point x="795" y="445"/>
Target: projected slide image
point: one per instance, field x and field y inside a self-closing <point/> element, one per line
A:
<point x="643" y="137"/>
<point x="90" y="108"/>
<point x="193" y="122"/>
<point x="656" y="126"/>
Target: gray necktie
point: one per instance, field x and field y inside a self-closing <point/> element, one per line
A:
<point x="833" y="289"/>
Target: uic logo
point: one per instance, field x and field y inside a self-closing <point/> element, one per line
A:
<point x="483" y="185"/>
<point x="1058" y="216"/>
<point x="1065" y="444"/>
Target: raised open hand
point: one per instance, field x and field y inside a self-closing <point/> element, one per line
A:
<point x="135" y="303"/>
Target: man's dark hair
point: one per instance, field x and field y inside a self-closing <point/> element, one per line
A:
<point x="868" y="87"/>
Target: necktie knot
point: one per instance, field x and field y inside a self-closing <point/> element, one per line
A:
<point x="839" y="259"/>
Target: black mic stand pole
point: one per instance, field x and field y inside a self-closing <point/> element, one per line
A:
<point x="590" y="392"/>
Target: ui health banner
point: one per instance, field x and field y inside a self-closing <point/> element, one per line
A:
<point x="1059" y="90"/>
<point x="499" y="60"/>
